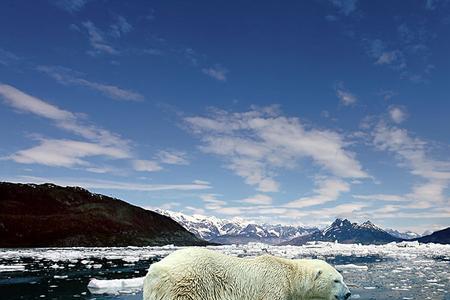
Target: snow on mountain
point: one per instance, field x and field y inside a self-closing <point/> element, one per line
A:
<point x="343" y="231"/>
<point x="403" y="235"/>
<point x="236" y="231"/>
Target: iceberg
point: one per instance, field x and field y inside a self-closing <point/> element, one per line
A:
<point x="116" y="286"/>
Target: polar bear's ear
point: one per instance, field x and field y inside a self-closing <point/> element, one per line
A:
<point x="319" y="272"/>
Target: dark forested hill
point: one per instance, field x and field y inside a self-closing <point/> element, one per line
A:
<point x="49" y="215"/>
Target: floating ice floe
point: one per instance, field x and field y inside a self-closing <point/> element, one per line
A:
<point x="84" y="255"/>
<point x="11" y="268"/>
<point x="351" y="266"/>
<point x="116" y="286"/>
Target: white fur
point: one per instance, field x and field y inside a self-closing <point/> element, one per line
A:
<point x="201" y="274"/>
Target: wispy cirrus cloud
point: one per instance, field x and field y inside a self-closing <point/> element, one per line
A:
<point x="406" y="53"/>
<point x="63" y="152"/>
<point x="381" y="197"/>
<point x="258" y="142"/>
<point x="66" y="153"/>
<point x="163" y="157"/>
<point x="412" y="153"/>
<point x="259" y="199"/>
<point x="7" y="58"/>
<point x="93" y="183"/>
<point x="398" y="114"/>
<point x="171" y="157"/>
<point x="328" y="190"/>
<point x="381" y="55"/>
<point x="67" y="76"/>
<point x="217" y="72"/>
<point x="120" y="27"/>
<point x="345" y="96"/>
<point x="63" y="119"/>
<point x="98" y="40"/>
<point x="211" y="201"/>
<point x="71" y="153"/>
<point x="146" y="165"/>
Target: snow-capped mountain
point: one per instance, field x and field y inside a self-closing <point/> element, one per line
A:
<point x="407" y="235"/>
<point x="236" y="231"/>
<point x="343" y="231"/>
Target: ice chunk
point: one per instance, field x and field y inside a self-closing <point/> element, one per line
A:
<point x="115" y="286"/>
<point x="11" y="268"/>
<point x="412" y="244"/>
<point x="351" y="266"/>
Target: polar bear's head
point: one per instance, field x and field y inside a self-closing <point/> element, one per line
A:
<point x="319" y="280"/>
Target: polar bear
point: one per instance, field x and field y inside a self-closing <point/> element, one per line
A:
<point x="202" y="274"/>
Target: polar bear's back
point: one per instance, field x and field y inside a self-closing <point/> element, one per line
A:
<point x="197" y="273"/>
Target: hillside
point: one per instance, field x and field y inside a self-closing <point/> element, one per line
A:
<point x="48" y="215"/>
<point x="438" y="237"/>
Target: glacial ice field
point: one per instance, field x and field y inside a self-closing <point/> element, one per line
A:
<point x="392" y="271"/>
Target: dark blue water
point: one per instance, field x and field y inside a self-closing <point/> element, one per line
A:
<point x="42" y="280"/>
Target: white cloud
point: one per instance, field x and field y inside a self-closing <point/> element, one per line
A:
<point x="211" y="201"/>
<point x="259" y="199"/>
<point x="398" y="114"/>
<point x="412" y="153"/>
<point x="97" y="40"/>
<point x="387" y="94"/>
<point x="233" y="211"/>
<point x="328" y="190"/>
<point x="216" y="72"/>
<point x="197" y="181"/>
<point x="257" y="143"/>
<point x="388" y="57"/>
<point x="172" y="157"/>
<point x="7" y="58"/>
<point x="63" y="119"/>
<point x="381" y="197"/>
<point x="383" y="56"/>
<point x="347" y="210"/>
<point x="65" y="153"/>
<point x="345" y="97"/>
<point x="121" y="27"/>
<point x="110" y="185"/>
<point x="69" y="77"/>
<point x="71" y="153"/>
<point x="27" y="103"/>
<point x="146" y="165"/>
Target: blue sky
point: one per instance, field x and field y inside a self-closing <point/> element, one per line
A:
<point x="295" y="113"/>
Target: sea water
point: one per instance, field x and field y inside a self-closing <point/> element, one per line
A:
<point x="392" y="271"/>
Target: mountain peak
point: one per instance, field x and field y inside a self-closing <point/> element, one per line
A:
<point x="369" y="225"/>
<point x="340" y="222"/>
<point x="344" y="231"/>
<point x="237" y="230"/>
